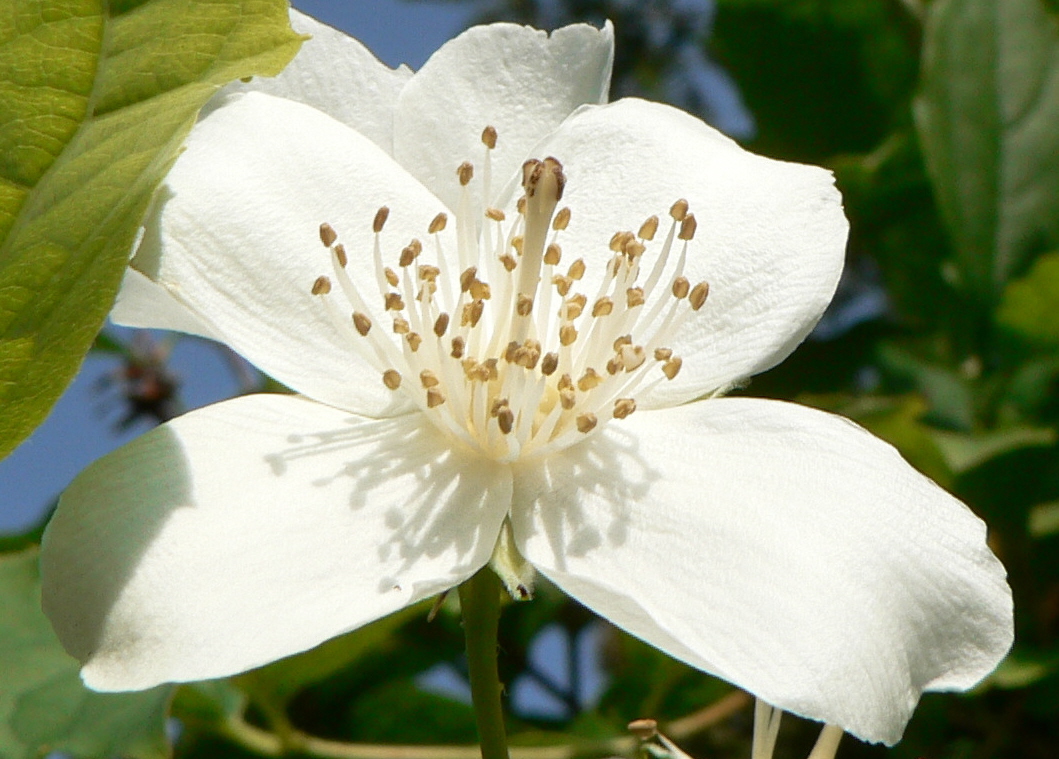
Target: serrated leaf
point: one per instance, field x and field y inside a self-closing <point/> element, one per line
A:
<point x="43" y="705"/>
<point x="986" y="117"/>
<point x="1030" y="305"/>
<point x="96" y="98"/>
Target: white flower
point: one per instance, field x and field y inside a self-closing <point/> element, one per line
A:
<point x="782" y="548"/>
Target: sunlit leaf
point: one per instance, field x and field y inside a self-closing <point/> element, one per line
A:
<point x="1031" y="304"/>
<point x="963" y="452"/>
<point x="43" y="705"/>
<point x="95" y="100"/>
<point x="986" y="115"/>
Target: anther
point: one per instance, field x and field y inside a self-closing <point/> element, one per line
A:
<point x="623" y="407"/>
<point x="687" y="227"/>
<point x="576" y="270"/>
<point x="617" y="240"/>
<point x="458" y="346"/>
<point x="391" y="276"/>
<point x="589" y="380"/>
<point x="489" y="137"/>
<point x="671" y="367"/>
<point x="614" y="366"/>
<point x="498" y="406"/>
<point x="429" y="273"/>
<point x="623" y="340"/>
<point x="524" y="305"/>
<point x="567" y="398"/>
<point x="562" y="284"/>
<point x="634" y="297"/>
<point x="322" y="286"/>
<point x="410" y="252"/>
<point x="586" y="422"/>
<point x="435" y="397"/>
<point x="340" y="254"/>
<point x="472" y="313"/>
<point x="441" y="324"/>
<point x="679" y="210"/>
<point x="632" y="357"/>
<point x="400" y="326"/>
<point x="429" y="379"/>
<point x="566" y="382"/>
<point x="414" y="341"/>
<point x="465" y="172"/>
<point x="549" y="364"/>
<point x="520" y="205"/>
<point x="509" y="351"/>
<point x="391" y="378"/>
<point x="663" y="354"/>
<point x="698" y="295"/>
<point x="505" y="420"/>
<point x="480" y="290"/>
<point x="438" y="223"/>
<point x="495" y="214"/>
<point x="393" y="302"/>
<point x="562" y="219"/>
<point x="553" y="254"/>
<point x="603" y="307"/>
<point x="467" y="278"/>
<point x="361" y="322"/>
<point x="508" y="261"/>
<point x="327" y="235"/>
<point x="380" y="219"/>
<point x="567" y="334"/>
<point x="648" y="229"/>
<point x="681" y="287"/>
<point x="517" y="242"/>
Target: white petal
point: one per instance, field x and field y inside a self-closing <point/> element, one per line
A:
<point x="781" y="548"/>
<point x="235" y="239"/>
<point x="144" y="303"/>
<point x="254" y="529"/>
<point x="770" y="242"/>
<point x="335" y="74"/>
<point x="520" y="80"/>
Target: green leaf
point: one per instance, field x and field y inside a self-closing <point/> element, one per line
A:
<point x="43" y="705"/>
<point x="986" y="116"/>
<point x="96" y="98"/>
<point x="1030" y="304"/>
<point x="964" y="452"/>
<point x="1044" y="520"/>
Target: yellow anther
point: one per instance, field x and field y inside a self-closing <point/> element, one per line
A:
<point x="623" y="340"/>
<point x="465" y="172"/>
<point x="634" y="297"/>
<point x="567" y="334"/>
<point x="562" y="284"/>
<point x="567" y="398"/>
<point x="679" y="210"/>
<point x="698" y="295"/>
<point x="565" y="382"/>
<point x="681" y="287"/>
<point x="467" y="278"/>
<point x="340" y="255"/>
<point x="648" y="229"/>
<point x="576" y="270"/>
<point x="508" y="261"/>
<point x="520" y="205"/>
<point x="552" y="254"/>
<point x="603" y="307"/>
<point x="414" y="341"/>
<point x="438" y="223"/>
<point x="586" y="422"/>
<point x="623" y="407"/>
<point x="562" y="219"/>
<point x="472" y="313"/>
<point x="495" y="214"/>
<point x="429" y="379"/>
<point x="400" y="326"/>
<point x="549" y="364"/>
<point x="517" y="242"/>
<point x="687" y="227"/>
<point x="632" y="356"/>
<point x="480" y="290"/>
<point x="589" y="380"/>
<point x="663" y="354"/>
<point x="489" y="137"/>
<point x="441" y="324"/>
<point x="380" y="219"/>
<point x="505" y="420"/>
<point x="524" y="305"/>
<point x="391" y="276"/>
<point x="458" y="346"/>
<point x="672" y="367"/>
<point x="614" y="365"/>
<point x="322" y="286"/>
<point x="435" y="397"/>
<point x="361" y="322"/>
<point x="391" y="378"/>
<point x="393" y="301"/>
<point x="327" y="235"/>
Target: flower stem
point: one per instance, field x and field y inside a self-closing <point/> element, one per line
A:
<point x="480" y="604"/>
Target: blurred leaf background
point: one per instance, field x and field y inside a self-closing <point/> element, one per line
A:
<point x="940" y="120"/>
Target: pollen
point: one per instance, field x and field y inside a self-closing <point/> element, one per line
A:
<point x="512" y="356"/>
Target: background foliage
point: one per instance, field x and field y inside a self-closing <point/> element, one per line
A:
<point x="939" y="120"/>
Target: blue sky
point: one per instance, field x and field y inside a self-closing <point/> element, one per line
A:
<point x="80" y="429"/>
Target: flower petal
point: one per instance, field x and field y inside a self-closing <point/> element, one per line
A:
<point x="142" y="301"/>
<point x="336" y="74"/>
<point x="254" y="529"/>
<point x="786" y="550"/>
<point x="770" y="242"/>
<point x="519" y="80"/>
<point x="235" y="239"/>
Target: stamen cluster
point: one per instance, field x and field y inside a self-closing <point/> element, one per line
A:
<point x="507" y="355"/>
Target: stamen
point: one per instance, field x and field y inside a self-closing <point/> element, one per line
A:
<point x="327" y="235"/>
<point x="429" y="379"/>
<point x="391" y="378"/>
<point x="679" y="210"/>
<point x="623" y="407"/>
<point x="322" y="286"/>
<point x="465" y="172"/>
<point x="698" y="296"/>
<point x="380" y="219"/>
<point x="489" y="137"/>
<point x="688" y="225"/>
<point x="562" y="219"/>
<point x="441" y="324"/>
<point x="586" y="422"/>
<point x="362" y="323"/>
<point x="648" y="229"/>
<point x="435" y="397"/>
<point x="340" y="254"/>
<point x="438" y="223"/>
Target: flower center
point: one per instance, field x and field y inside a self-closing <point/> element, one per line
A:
<point x="507" y="355"/>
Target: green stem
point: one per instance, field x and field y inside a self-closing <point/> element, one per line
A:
<point x="480" y="604"/>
